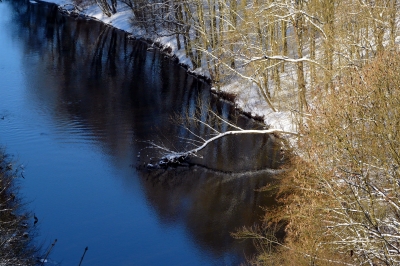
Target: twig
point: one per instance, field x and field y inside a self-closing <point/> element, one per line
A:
<point x="48" y="252"/>
<point x="83" y="255"/>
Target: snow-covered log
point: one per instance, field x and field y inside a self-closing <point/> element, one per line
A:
<point x="179" y="158"/>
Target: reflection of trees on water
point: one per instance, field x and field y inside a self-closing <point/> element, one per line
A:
<point x="210" y="205"/>
<point x="101" y="77"/>
<point x="118" y="91"/>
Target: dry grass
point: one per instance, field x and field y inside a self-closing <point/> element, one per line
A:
<point x="16" y="231"/>
<point x="341" y="200"/>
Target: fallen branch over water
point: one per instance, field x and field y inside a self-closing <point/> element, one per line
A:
<point x="177" y="158"/>
<point x="221" y="135"/>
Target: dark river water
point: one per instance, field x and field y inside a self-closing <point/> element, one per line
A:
<point x="78" y="101"/>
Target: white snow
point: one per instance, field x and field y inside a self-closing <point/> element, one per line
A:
<point x="248" y="98"/>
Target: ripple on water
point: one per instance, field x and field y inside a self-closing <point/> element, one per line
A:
<point x="74" y="131"/>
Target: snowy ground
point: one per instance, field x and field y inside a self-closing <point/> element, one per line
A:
<point x="248" y="98"/>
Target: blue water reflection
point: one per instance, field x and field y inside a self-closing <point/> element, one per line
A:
<point x="78" y="99"/>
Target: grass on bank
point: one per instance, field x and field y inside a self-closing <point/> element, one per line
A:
<point x="341" y="200"/>
<point x="16" y="225"/>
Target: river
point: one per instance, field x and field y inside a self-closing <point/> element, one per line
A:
<point x="78" y="103"/>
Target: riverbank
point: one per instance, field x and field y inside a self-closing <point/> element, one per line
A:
<point x="245" y="96"/>
<point x="16" y="231"/>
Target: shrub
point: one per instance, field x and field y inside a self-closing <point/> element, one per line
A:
<point x="341" y="201"/>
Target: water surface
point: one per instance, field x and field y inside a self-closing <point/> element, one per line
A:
<point x="78" y="103"/>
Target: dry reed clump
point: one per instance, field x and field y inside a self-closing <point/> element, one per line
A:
<point x="341" y="200"/>
<point x="16" y="231"/>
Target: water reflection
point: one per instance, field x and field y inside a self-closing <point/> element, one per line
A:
<point x="102" y="88"/>
<point x="208" y="204"/>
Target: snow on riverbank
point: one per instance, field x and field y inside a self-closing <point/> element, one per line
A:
<point x="248" y="97"/>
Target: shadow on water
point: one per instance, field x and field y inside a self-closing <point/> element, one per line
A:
<point x="113" y="91"/>
<point x="210" y="205"/>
